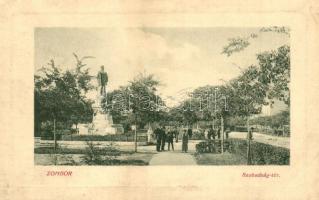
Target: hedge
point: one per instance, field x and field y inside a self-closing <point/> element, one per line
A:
<point x="262" y="154"/>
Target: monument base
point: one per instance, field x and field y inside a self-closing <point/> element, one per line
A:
<point x="103" y="125"/>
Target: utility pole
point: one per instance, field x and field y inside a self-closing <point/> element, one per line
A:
<point x="222" y="132"/>
<point x="248" y="143"/>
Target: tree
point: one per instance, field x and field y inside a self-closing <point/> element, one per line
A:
<point x="238" y="44"/>
<point x="275" y="73"/>
<point x="246" y="95"/>
<point x="273" y="70"/>
<point x="137" y="102"/>
<point x="204" y="103"/>
<point x="61" y="95"/>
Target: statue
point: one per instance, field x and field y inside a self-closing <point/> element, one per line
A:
<point x="102" y="81"/>
<point x="102" y="122"/>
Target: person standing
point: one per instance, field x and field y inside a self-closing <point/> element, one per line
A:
<point x="250" y="133"/>
<point x="206" y="134"/>
<point x="227" y="133"/>
<point x="185" y="141"/>
<point x="190" y="133"/>
<point x="218" y="133"/>
<point x="170" y="139"/>
<point x="210" y="133"/>
<point x="149" y="135"/>
<point x="158" y="135"/>
<point x="176" y="133"/>
<point x="213" y="133"/>
<point x="163" y="138"/>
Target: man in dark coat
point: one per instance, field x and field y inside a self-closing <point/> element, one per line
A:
<point x="250" y="133"/>
<point x="158" y="135"/>
<point x="190" y="133"/>
<point x="218" y="133"/>
<point x="170" y="139"/>
<point x="185" y="141"/>
<point x="163" y="138"/>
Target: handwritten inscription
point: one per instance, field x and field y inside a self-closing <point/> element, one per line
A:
<point x="260" y="175"/>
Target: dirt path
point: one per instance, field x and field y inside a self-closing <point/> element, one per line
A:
<point x="172" y="158"/>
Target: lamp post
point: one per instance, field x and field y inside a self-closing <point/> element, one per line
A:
<point x="135" y="135"/>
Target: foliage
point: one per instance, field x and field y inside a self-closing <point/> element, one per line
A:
<point x="219" y="159"/>
<point x="243" y="96"/>
<point x="137" y="102"/>
<point x="262" y="154"/>
<point x="211" y="146"/>
<point x="200" y="105"/>
<point x="61" y="95"/>
<point x="47" y="131"/>
<point x="108" y="156"/>
<point x="92" y="154"/>
<point x="201" y="147"/>
<point x="275" y="73"/>
<point x="198" y="135"/>
<point x="240" y="43"/>
<point x="95" y="155"/>
<point x="183" y="115"/>
<point x="234" y="121"/>
<point x="246" y="94"/>
<point x="235" y="45"/>
<point x="276" y="121"/>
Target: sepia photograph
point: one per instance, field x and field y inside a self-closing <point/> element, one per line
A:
<point x="150" y="96"/>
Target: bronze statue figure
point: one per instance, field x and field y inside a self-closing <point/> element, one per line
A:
<point x="102" y="79"/>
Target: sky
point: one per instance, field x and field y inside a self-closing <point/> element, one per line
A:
<point x="181" y="58"/>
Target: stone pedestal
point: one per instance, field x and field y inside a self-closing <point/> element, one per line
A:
<point x="83" y="129"/>
<point x="102" y="124"/>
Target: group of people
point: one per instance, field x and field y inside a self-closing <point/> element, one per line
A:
<point x="167" y="135"/>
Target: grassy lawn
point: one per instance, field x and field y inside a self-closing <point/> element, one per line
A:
<point x="64" y="156"/>
<point x="50" y="150"/>
<point x="219" y="159"/>
<point x="128" y="137"/>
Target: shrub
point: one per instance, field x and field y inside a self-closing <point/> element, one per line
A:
<point x="96" y="156"/>
<point x="201" y="147"/>
<point x="92" y="154"/>
<point x="211" y="146"/>
<point x="47" y="131"/>
<point x="198" y="135"/>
